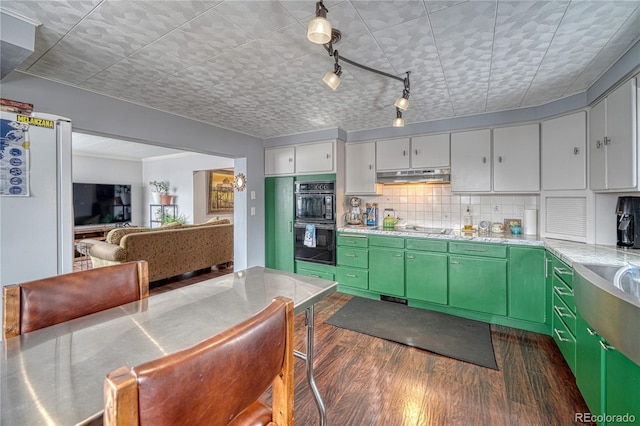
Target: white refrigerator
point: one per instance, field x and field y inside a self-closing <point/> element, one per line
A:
<point x="36" y="199"/>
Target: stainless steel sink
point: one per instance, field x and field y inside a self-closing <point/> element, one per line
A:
<point x="607" y="298"/>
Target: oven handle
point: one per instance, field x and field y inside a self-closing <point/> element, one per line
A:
<point x="330" y="226"/>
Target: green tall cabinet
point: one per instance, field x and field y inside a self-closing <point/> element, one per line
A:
<point x="279" y="218"/>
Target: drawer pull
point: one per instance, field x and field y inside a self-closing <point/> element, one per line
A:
<point x="560" y="338"/>
<point x="591" y="331"/>
<point x="605" y="346"/>
<point x="562" y="291"/>
<point x="558" y="310"/>
<point x="398" y="255"/>
<point x="351" y="276"/>
<point x="313" y="275"/>
<point x="410" y="257"/>
<point x="350" y="255"/>
<point x="453" y="262"/>
<point x="562" y="271"/>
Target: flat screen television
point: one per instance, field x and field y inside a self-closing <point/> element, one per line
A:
<point x="101" y="204"/>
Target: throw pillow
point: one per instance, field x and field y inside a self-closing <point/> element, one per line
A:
<point x="171" y="225"/>
<point x="213" y="219"/>
<point x="217" y="222"/>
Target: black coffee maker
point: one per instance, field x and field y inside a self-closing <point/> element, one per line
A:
<point x="628" y="211"/>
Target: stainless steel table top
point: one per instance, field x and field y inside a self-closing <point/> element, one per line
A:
<point x="55" y="375"/>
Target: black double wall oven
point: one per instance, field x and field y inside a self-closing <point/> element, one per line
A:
<point x="315" y="224"/>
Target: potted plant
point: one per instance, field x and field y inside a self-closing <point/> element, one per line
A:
<point x="160" y="189"/>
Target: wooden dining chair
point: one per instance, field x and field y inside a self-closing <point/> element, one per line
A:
<point x="41" y="303"/>
<point x="217" y="382"/>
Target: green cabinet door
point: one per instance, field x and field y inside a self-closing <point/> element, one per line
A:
<point x="279" y="216"/>
<point x="426" y="276"/>
<point x="478" y="284"/>
<point x="589" y="365"/>
<point x="527" y="284"/>
<point x="622" y="388"/>
<point x="386" y="271"/>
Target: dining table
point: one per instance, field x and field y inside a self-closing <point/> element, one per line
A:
<point x="55" y="375"/>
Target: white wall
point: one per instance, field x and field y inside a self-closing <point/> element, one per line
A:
<point x="200" y="189"/>
<point x="103" y="115"/>
<point x="178" y="170"/>
<point x="88" y="169"/>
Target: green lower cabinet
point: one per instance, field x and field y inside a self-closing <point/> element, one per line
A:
<point x="479" y="284"/>
<point x="589" y="366"/>
<point x="426" y="276"/>
<point x="386" y="271"/>
<point x="622" y="388"/>
<point x="527" y="284"/>
<point x="353" y="277"/>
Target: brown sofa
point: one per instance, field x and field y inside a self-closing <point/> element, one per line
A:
<point x="169" y="251"/>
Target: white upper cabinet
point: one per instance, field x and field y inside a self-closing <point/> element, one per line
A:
<point x="564" y="156"/>
<point x="315" y="157"/>
<point x="430" y="151"/>
<point x="393" y="154"/>
<point x="471" y="161"/>
<point x="279" y="161"/>
<point x="360" y="173"/>
<point x="613" y="144"/>
<point x="516" y="158"/>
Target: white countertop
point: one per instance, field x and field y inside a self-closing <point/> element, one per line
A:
<point x="568" y="251"/>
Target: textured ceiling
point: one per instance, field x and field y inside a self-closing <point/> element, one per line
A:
<point x="247" y="66"/>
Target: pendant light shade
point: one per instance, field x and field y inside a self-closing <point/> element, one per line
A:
<point x="332" y="79"/>
<point x="398" y="121"/>
<point x="402" y="103"/>
<point x="319" y="30"/>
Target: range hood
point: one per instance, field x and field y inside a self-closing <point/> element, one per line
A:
<point x="414" y="176"/>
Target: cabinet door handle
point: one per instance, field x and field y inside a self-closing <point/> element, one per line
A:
<point x="290" y="226"/>
<point x="484" y="160"/>
<point x="562" y="271"/>
<point x="560" y="338"/>
<point x="598" y="144"/>
<point x="558" y="310"/>
<point x="453" y="262"/>
<point x="291" y="159"/>
<point x="370" y="166"/>
<point x="404" y="152"/>
<point x="499" y="158"/>
<point x="351" y="276"/>
<point x="605" y="346"/>
<point x="607" y="140"/>
<point x="591" y="331"/>
<point x="410" y="257"/>
<point x="328" y="156"/>
<point x="415" y="152"/>
<point x="561" y="291"/>
<point x="350" y="255"/>
<point x="546" y="267"/>
<point x="576" y="150"/>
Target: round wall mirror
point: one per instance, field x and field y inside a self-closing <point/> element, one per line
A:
<point x="240" y="182"/>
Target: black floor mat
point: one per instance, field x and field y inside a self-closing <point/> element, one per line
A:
<point x="455" y="337"/>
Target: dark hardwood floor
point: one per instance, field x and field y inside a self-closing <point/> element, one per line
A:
<point x="369" y="381"/>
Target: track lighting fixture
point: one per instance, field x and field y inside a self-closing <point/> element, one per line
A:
<point x="403" y="101"/>
<point x="398" y="121"/>
<point x="333" y="78"/>
<point x="321" y="32"/>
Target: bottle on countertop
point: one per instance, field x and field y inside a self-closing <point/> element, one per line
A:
<point x="372" y="215"/>
<point x="467" y="221"/>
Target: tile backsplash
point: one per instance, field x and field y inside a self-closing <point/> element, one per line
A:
<point x="433" y="205"/>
